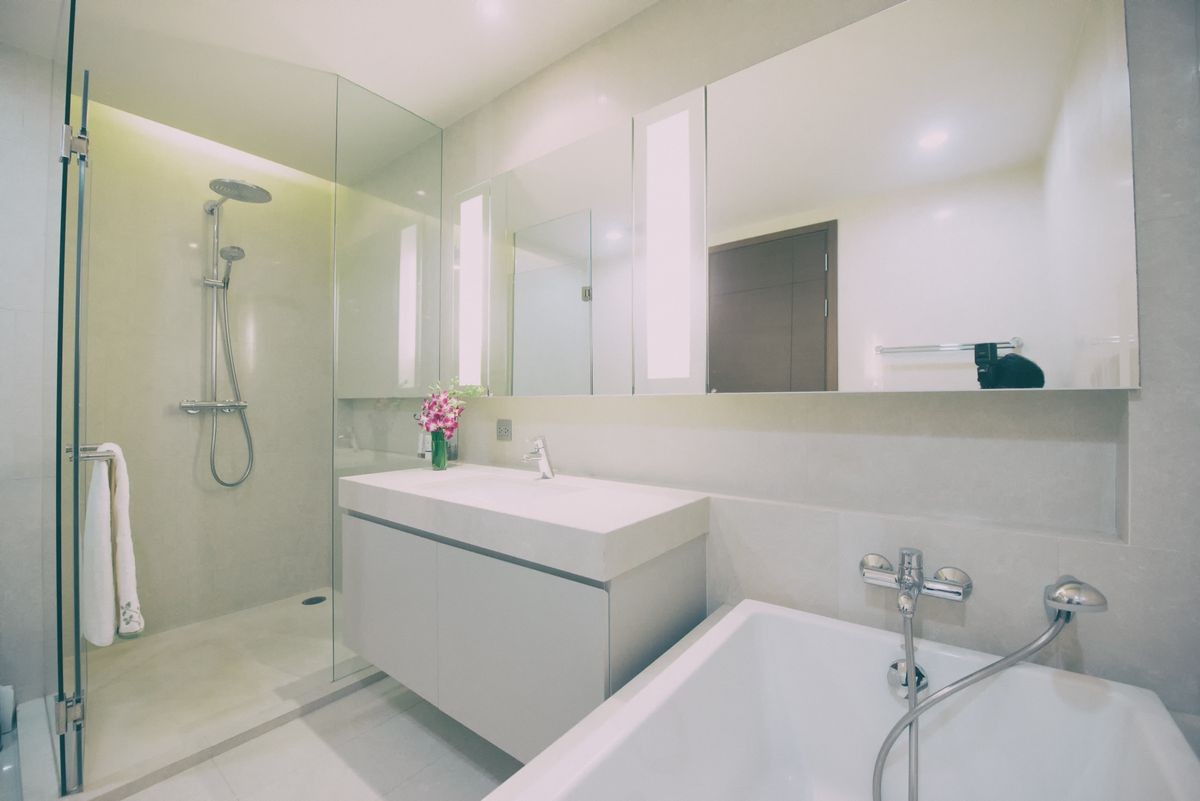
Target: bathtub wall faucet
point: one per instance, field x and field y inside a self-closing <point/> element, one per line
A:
<point x="906" y="676"/>
<point x="949" y="583"/>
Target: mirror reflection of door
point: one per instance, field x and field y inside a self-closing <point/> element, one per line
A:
<point x="552" y="321"/>
<point x="772" y="312"/>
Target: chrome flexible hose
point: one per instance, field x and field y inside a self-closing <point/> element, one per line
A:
<point x="1060" y="620"/>
<point x="910" y="677"/>
<point x="237" y="396"/>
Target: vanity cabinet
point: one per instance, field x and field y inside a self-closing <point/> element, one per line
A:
<point x="523" y="654"/>
<point x="517" y="652"/>
<point x="390" y="602"/>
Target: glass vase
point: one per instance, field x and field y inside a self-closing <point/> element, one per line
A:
<point x="439" y="451"/>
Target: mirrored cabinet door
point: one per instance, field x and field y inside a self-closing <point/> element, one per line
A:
<point x="974" y="159"/>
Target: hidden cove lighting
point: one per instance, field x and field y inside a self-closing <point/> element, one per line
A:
<point x="491" y="9"/>
<point x="933" y="139"/>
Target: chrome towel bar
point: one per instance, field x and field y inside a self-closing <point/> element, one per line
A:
<point x="89" y="453"/>
<point x="1013" y="344"/>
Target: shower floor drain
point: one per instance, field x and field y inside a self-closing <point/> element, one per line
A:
<point x="314" y="600"/>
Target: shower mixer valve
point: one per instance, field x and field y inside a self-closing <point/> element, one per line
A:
<point x="950" y="583"/>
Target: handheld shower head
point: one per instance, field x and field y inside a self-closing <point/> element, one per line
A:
<point x="230" y="253"/>
<point x="1069" y="594"/>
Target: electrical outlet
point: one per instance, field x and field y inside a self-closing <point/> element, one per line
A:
<point x="504" y="430"/>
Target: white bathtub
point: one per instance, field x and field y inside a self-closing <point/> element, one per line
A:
<point x="771" y="703"/>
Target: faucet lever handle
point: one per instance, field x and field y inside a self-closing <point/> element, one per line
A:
<point x="876" y="569"/>
<point x="950" y="583"/>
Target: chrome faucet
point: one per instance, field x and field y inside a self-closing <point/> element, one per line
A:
<point x="1063" y="599"/>
<point x="541" y="455"/>
<point x="906" y="675"/>
<point x="949" y="583"/>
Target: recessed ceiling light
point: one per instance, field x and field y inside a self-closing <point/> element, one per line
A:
<point x="932" y="140"/>
<point x="614" y="234"/>
<point x="420" y="193"/>
<point x="193" y="245"/>
<point x="491" y="9"/>
<point x="941" y="215"/>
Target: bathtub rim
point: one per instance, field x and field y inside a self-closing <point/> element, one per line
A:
<point x="561" y="765"/>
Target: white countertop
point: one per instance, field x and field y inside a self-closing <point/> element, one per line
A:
<point x="585" y="526"/>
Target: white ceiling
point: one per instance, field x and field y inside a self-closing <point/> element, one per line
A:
<point x="258" y="75"/>
<point x="438" y="58"/>
<point x="841" y="117"/>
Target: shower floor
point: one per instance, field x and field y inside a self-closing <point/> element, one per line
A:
<point x="161" y="698"/>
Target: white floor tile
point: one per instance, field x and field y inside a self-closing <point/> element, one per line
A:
<point x="202" y="783"/>
<point x="380" y="742"/>
<point x="451" y="778"/>
<point x="218" y="678"/>
<point x="282" y="752"/>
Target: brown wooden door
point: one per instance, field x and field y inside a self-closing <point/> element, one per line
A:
<point x="771" y="301"/>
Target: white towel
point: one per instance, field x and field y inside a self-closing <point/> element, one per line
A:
<point x="108" y="506"/>
<point x="97" y="602"/>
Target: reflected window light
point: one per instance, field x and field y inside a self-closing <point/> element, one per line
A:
<point x="668" y="248"/>
<point x="406" y="307"/>
<point x="932" y="140"/>
<point x="470" y="291"/>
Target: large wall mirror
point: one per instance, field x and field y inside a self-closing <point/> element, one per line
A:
<point x="938" y="197"/>
<point x="941" y="175"/>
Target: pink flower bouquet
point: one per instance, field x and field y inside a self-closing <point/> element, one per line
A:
<point x="440" y="412"/>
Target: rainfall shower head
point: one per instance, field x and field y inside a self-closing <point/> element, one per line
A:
<point x="231" y="253"/>
<point x="233" y="189"/>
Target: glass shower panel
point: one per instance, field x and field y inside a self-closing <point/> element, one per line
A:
<point x="228" y="576"/>
<point x="67" y="709"/>
<point x="387" y="256"/>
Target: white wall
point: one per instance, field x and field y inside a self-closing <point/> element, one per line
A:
<point x="28" y="299"/>
<point x="1014" y="487"/>
<point x="204" y="550"/>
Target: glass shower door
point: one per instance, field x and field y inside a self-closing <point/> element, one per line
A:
<point x="72" y="454"/>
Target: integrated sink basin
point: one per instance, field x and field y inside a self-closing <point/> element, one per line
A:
<point x="587" y="527"/>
